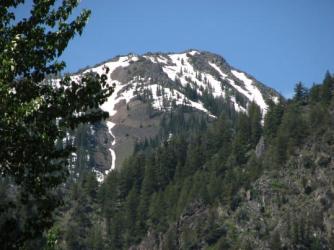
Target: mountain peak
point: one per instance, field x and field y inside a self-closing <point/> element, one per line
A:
<point x="155" y="83"/>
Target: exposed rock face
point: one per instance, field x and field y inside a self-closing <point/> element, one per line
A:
<point x="260" y="148"/>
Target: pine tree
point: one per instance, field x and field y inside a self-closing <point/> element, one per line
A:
<point x="117" y="231"/>
<point x="195" y="156"/>
<point x="327" y="88"/>
<point x="281" y="147"/>
<point x="242" y="141"/>
<point x="301" y="94"/>
<point x="183" y="198"/>
<point x="255" y="117"/>
<point x="165" y="165"/>
<point x="149" y="182"/>
<point x="110" y="198"/>
<point x="171" y="196"/>
<point x="147" y="189"/>
<point x="272" y="120"/>
<point x="315" y="93"/>
<point x="95" y="237"/>
<point x="214" y="187"/>
<point x="276" y="243"/>
<point x="294" y="125"/>
<point x="130" y="215"/>
<point x="157" y="211"/>
<point x="219" y="135"/>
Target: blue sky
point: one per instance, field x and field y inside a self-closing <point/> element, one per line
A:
<point x="278" y="42"/>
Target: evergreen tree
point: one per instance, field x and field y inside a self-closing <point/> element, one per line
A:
<point x="315" y="93"/>
<point x="171" y="198"/>
<point x="255" y="117"/>
<point x="184" y="197"/>
<point x="294" y="125"/>
<point x="276" y="243"/>
<point x="95" y="237"/>
<point x="327" y="89"/>
<point x="214" y="187"/>
<point x="219" y="135"/>
<point x="165" y="165"/>
<point x="116" y="232"/>
<point x="241" y="144"/>
<point x="195" y="156"/>
<point x="281" y="147"/>
<point x="273" y="120"/>
<point x="301" y="94"/>
<point x="130" y="215"/>
<point x="157" y="211"/>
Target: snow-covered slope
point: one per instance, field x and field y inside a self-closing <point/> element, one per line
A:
<point x="180" y="69"/>
<point x="164" y="81"/>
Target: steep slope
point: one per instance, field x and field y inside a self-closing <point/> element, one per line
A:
<point x="282" y="198"/>
<point x="232" y="183"/>
<point x="149" y="86"/>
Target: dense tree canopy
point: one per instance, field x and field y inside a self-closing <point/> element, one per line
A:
<point x="170" y="179"/>
<point x="36" y="112"/>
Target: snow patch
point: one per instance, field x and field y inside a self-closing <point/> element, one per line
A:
<point x="157" y="59"/>
<point x="110" y="126"/>
<point x="250" y="90"/>
<point x="134" y="58"/>
<point x="162" y="60"/>
<point x="99" y="175"/>
<point x="223" y="75"/>
<point x="252" y="93"/>
<point x="151" y="58"/>
<point x="183" y="70"/>
<point x="193" y="52"/>
<point x="173" y="96"/>
<point x="237" y="107"/>
<point x="275" y="99"/>
<point x="122" y="61"/>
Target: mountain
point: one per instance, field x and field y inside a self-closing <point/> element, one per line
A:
<point x="149" y="86"/>
<point x="237" y="181"/>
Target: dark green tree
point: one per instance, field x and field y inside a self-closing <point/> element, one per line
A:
<point x="195" y="156"/>
<point x="157" y="212"/>
<point x="301" y="94"/>
<point x="315" y="93"/>
<point x="275" y="242"/>
<point x="272" y="120"/>
<point x="327" y="88"/>
<point x="130" y="215"/>
<point x="242" y="141"/>
<point x="255" y="117"/>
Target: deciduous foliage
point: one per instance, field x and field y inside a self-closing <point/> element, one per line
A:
<point x="37" y="112"/>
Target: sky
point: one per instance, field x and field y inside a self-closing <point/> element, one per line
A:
<point x="278" y="42"/>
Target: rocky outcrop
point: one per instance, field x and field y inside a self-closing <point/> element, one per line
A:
<point x="260" y="147"/>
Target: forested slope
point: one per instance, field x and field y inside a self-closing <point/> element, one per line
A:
<point x="233" y="184"/>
